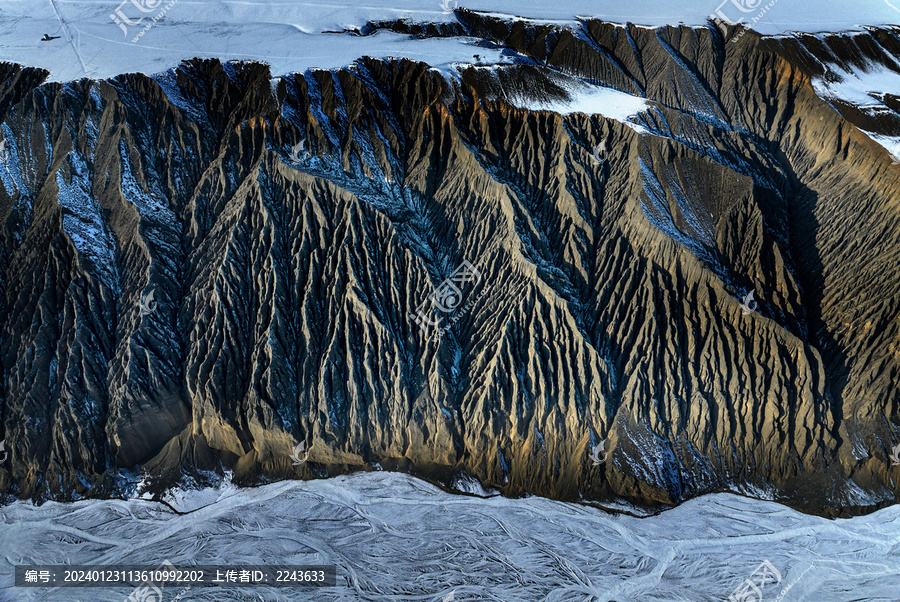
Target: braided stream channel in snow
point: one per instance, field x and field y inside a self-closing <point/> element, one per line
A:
<point x="394" y="537"/>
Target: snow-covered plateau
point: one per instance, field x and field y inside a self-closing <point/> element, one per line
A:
<point x="394" y="537"/>
<point x="104" y="38"/>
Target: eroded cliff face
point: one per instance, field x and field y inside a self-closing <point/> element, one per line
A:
<point x="205" y="268"/>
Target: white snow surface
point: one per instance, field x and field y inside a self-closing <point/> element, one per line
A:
<point x="864" y="88"/>
<point x="594" y="100"/>
<point x="393" y="537"/>
<point x="292" y="36"/>
<point x="891" y="143"/>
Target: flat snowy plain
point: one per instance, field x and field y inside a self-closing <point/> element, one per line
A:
<point x="394" y="537"/>
<point x="293" y="36"/>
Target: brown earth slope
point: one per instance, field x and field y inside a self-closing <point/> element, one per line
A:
<point x="284" y="279"/>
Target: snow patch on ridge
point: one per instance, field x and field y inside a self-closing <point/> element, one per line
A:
<point x="593" y="100"/>
<point x="860" y="88"/>
<point x="863" y="89"/>
<point x="83" y="222"/>
<point x="891" y="143"/>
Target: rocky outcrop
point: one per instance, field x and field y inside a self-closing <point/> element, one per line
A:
<point x="205" y="268"/>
